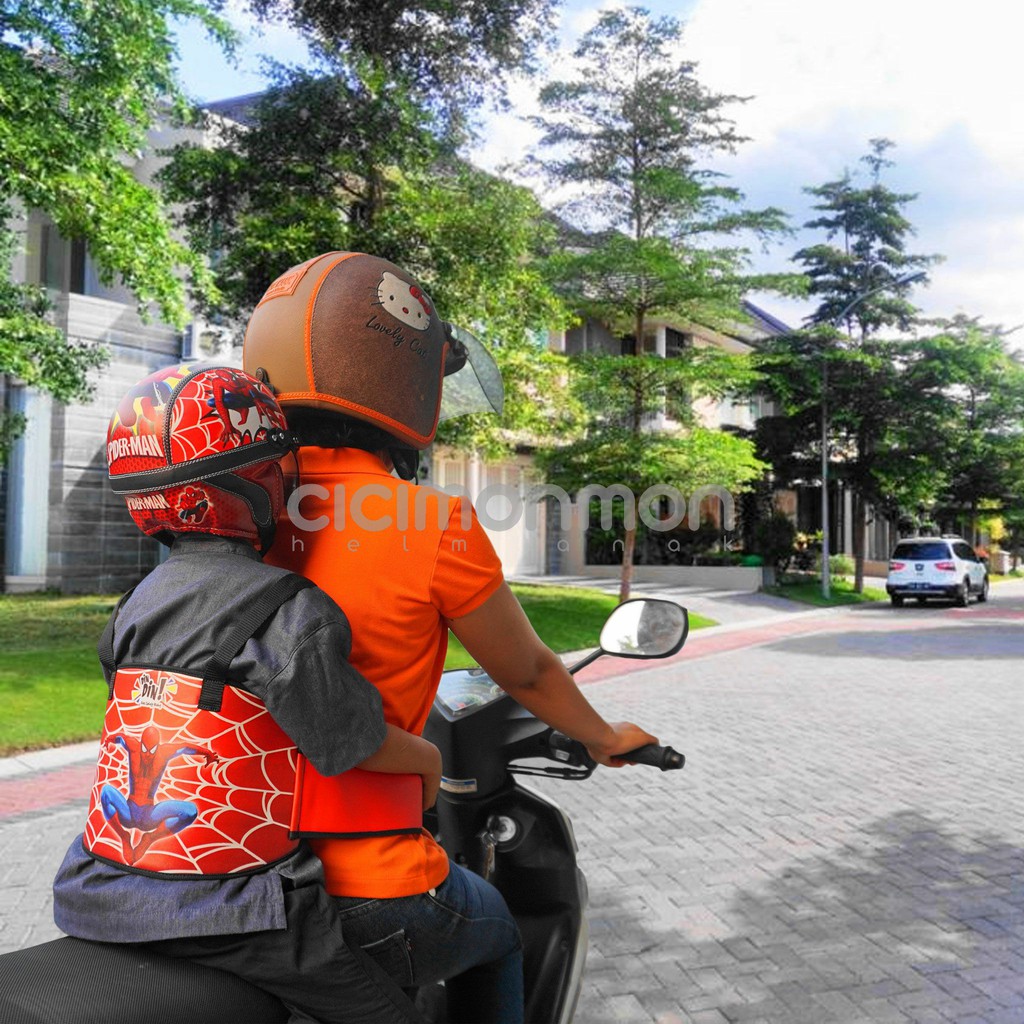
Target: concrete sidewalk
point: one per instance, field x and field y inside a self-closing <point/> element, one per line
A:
<point x="727" y="607"/>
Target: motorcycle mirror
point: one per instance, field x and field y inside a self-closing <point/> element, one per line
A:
<point x="645" y="628"/>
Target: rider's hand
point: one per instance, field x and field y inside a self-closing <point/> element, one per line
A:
<point x="624" y="736"/>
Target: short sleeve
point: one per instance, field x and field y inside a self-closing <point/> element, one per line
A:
<point x="467" y="569"/>
<point x="332" y="714"/>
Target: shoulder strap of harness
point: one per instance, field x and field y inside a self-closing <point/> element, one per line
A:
<point x="240" y="632"/>
<point x="105" y="646"/>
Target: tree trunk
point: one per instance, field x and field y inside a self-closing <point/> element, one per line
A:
<point x="626" y="579"/>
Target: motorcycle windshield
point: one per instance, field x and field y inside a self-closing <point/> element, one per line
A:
<point x="477" y="386"/>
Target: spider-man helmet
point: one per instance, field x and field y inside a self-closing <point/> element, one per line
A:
<point x="197" y="449"/>
<point x="354" y="334"/>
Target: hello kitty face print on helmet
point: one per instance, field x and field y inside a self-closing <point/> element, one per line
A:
<point x="353" y="334"/>
<point x="197" y="449"/>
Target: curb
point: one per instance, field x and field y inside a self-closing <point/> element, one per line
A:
<point x="35" y="761"/>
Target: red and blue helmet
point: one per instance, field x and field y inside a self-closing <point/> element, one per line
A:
<point x="198" y="449"/>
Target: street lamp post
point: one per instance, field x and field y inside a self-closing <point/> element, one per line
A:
<point x="826" y="569"/>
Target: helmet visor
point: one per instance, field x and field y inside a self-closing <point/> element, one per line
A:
<point x="476" y="386"/>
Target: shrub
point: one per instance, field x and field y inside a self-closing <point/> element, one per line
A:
<point x="840" y="565"/>
<point x="774" y="538"/>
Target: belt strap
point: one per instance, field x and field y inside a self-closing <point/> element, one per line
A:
<point x="240" y="632"/>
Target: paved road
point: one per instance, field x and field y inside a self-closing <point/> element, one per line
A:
<point x="845" y="844"/>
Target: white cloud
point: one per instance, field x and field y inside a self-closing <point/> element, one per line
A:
<point x="907" y="68"/>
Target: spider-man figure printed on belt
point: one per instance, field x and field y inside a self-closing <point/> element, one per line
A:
<point x="147" y="761"/>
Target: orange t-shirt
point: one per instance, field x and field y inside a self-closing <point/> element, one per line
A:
<point x="400" y="560"/>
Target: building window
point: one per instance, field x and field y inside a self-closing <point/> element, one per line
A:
<point x="676" y="342"/>
<point x="62" y="263"/>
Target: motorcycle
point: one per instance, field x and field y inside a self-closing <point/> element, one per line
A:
<point x="485" y="818"/>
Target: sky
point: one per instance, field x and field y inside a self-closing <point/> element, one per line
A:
<point x="940" y="78"/>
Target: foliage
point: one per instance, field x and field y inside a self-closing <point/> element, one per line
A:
<point x="627" y="134"/>
<point x="858" y="274"/>
<point x="306" y="173"/>
<point x="840" y="565"/>
<point x="33" y="349"/>
<point x="350" y="161"/>
<point x="855" y="271"/>
<point x="971" y="430"/>
<point x="80" y="86"/>
<point x="451" y="52"/>
<point x="775" y="539"/>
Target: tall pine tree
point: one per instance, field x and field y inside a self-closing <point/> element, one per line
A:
<point x="657" y="233"/>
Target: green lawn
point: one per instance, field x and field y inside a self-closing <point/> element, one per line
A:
<point x="841" y="592"/>
<point x="52" y="690"/>
<point x="51" y="687"/>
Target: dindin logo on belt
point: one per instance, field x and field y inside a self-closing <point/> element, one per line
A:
<point x="154" y="692"/>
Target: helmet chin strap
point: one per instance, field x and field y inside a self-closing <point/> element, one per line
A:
<point x="258" y="501"/>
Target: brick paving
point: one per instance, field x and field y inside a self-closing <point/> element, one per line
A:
<point x="846" y="843"/>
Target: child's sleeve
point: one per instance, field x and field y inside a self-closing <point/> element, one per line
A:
<point x="328" y="709"/>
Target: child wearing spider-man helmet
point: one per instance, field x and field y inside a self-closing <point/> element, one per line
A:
<point x="219" y="668"/>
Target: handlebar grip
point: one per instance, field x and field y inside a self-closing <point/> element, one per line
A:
<point x="656" y="756"/>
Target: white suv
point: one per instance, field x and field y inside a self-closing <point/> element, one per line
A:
<point x="923" y="567"/>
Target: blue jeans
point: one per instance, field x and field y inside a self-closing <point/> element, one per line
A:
<point x="461" y="933"/>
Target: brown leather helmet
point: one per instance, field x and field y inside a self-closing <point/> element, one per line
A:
<point x="350" y="333"/>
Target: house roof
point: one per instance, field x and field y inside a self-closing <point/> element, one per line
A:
<point x="235" y="108"/>
<point x="764" y="322"/>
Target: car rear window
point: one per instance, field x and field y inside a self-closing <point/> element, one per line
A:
<point x="926" y="550"/>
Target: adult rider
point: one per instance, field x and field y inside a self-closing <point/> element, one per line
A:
<point x="356" y="355"/>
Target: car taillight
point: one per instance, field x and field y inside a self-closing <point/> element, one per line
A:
<point x="897" y="566"/>
<point x="946" y="566"/>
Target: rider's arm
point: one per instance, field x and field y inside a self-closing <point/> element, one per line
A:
<point x="402" y="752"/>
<point x="500" y="638"/>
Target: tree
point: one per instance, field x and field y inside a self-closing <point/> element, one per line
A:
<point x="310" y="170"/>
<point x="629" y="134"/>
<point x="616" y="395"/>
<point x="349" y="161"/>
<point x="80" y="85"/>
<point x="973" y="432"/>
<point x="451" y="53"/>
<point x="859" y="274"/>
<point x="33" y="349"/>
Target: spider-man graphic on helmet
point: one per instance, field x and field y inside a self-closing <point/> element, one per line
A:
<point x="189" y="424"/>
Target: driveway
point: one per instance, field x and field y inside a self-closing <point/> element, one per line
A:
<point x="846" y="842"/>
